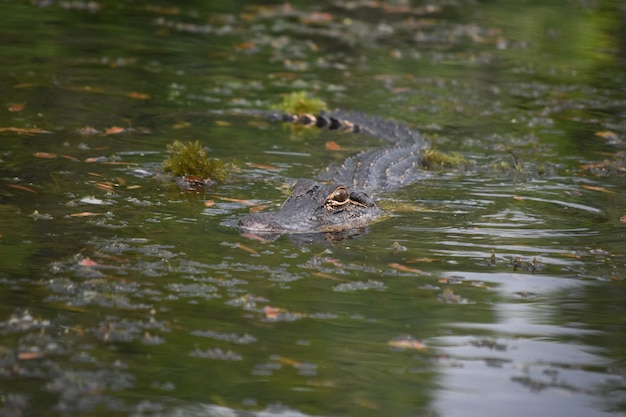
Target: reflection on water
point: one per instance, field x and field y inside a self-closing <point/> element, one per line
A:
<point x="492" y="288"/>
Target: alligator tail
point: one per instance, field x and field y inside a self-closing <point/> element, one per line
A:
<point x="340" y="120"/>
<point x="322" y="121"/>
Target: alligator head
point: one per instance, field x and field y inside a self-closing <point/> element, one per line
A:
<point x="314" y="207"/>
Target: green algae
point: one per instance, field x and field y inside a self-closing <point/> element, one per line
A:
<point x="434" y="159"/>
<point x="299" y="102"/>
<point x="191" y="159"/>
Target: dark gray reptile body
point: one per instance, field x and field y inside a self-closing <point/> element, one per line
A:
<point x="343" y="198"/>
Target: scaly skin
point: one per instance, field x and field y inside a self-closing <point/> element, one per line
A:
<point x="343" y="201"/>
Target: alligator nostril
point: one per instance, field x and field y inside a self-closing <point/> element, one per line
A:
<point x="362" y="198"/>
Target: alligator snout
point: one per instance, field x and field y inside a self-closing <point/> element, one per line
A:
<point x="315" y="207"/>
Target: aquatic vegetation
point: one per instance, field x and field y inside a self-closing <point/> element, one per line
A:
<point x="191" y="159"/>
<point x="434" y="159"/>
<point x="299" y="102"/>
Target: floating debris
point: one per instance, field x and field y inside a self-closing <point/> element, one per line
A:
<point x="406" y="342"/>
<point x="299" y="102"/>
<point x="191" y="161"/>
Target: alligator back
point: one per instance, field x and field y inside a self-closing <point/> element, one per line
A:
<point x="375" y="170"/>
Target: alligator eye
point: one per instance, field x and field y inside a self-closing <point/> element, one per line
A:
<point x="338" y="198"/>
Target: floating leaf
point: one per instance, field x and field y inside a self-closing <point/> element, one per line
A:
<point x="317" y="17"/>
<point x="332" y="146"/>
<point x="16" y="107"/>
<point x="105" y="186"/>
<point x="246" y="248"/>
<point x="87" y="262"/>
<point x="86" y="214"/>
<point x="262" y="166"/>
<point x="288" y="361"/>
<point x="326" y="276"/>
<point x="258" y="208"/>
<point x="25" y="131"/>
<point x="405" y="268"/>
<point x="595" y="188"/>
<point x="607" y="134"/>
<point x="254" y="237"/>
<point x="182" y="125"/>
<point x="138" y="96"/>
<point x="114" y="130"/>
<point x="245" y="45"/>
<point x="415" y="260"/>
<point x="271" y="312"/>
<point x="45" y="155"/>
<point x="22" y="187"/>
<point x="237" y="200"/>
<point x="407" y="343"/>
<point x="27" y="356"/>
<point x="96" y="159"/>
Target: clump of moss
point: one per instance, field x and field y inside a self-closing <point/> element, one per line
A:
<point x="299" y="102"/>
<point x="434" y="159"/>
<point x="191" y="159"/>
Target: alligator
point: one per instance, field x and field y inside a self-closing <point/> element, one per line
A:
<point x="342" y="202"/>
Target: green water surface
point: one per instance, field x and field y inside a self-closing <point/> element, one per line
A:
<point x="493" y="288"/>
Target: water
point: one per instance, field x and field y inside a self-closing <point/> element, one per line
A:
<point x="490" y="289"/>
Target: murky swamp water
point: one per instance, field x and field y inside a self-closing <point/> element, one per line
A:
<point x="495" y="288"/>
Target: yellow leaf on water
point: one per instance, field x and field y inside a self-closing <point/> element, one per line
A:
<point x="261" y="166"/>
<point x="414" y="260"/>
<point x="237" y="200"/>
<point x="288" y="361"/>
<point x="16" y="107"/>
<point x="22" y="187"/>
<point x="138" y="96"/>
<point x="405" y="268"/>
<point x="181" y="125"/>
<point x="86" y="214"/>
<point x="26" y="131"/>
<point x="246" y="249"/>
<point x="114" y="130"/>
<point x="45" y="155"/>
<point x="254" y="237"/>
<point x="271" y="312"/>
<point x="606" y="134"/>
<point x="26" y="356"/>
<point x="407" y="344"/>
<point x="594" y="188"/>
